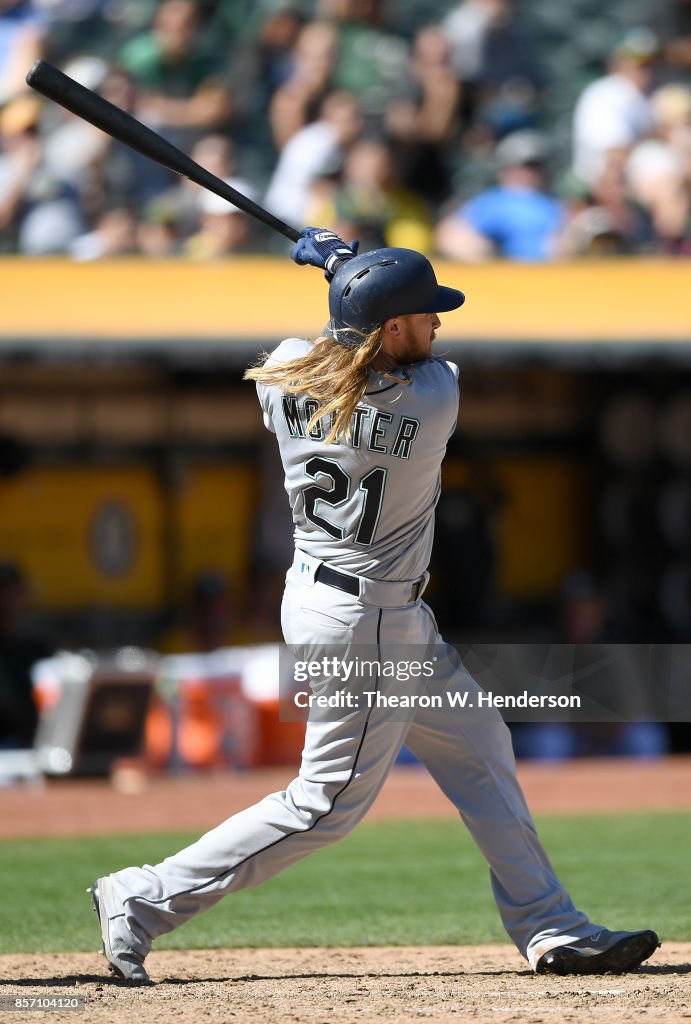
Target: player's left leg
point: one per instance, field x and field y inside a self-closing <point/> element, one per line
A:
<point x="468" y="752"/>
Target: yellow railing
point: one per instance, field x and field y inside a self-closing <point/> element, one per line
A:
<point x="269" y="298"/>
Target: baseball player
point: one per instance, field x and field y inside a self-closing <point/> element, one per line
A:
<point x="362" y="417"/>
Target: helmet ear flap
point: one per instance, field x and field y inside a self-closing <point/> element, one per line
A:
<point x="349" y="337"/>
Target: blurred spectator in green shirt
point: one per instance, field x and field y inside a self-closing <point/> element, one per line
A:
<point x="179" y="74"/>
<point x="372" y="60"/>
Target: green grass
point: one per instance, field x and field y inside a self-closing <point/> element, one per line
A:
<point x="392" y="883"/>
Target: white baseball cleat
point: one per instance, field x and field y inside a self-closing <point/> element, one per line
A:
<point x="124" y="962"/>
<point x="604" y="952"/>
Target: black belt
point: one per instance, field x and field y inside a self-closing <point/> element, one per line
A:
<point x="351" y="584"/>
<point x="334" y="578"/>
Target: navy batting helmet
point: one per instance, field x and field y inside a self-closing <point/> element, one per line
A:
<point x="375" y="286"/>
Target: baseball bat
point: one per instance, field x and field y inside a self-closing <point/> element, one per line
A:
<point x="57" y="86"/>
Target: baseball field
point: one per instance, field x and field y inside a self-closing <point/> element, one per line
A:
<point x="394" y="924"/>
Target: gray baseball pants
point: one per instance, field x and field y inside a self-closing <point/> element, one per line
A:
<point x="345" y="761"/>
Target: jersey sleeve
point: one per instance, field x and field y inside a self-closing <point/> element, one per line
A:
<point x="290" y="348"/>
<point x="264" y="402"/>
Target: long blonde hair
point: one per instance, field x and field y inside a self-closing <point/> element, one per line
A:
<point x="336" y="375"/>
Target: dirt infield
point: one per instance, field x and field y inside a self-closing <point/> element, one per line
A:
<point x="313" y="986"/>
<point x="444" y="985"/>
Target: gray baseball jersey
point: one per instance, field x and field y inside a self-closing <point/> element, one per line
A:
<point x="366" y="504"/>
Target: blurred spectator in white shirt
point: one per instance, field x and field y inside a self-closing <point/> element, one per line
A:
<point x="316" y="149"/>
<point x="613" y="112"/>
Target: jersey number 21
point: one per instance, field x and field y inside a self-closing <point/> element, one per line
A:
<point x="336" y="490"/>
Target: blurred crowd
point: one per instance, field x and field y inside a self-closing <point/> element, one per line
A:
<point x="466" y="129"/>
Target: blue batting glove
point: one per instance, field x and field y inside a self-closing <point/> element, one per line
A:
<point x="322" y="248"/>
